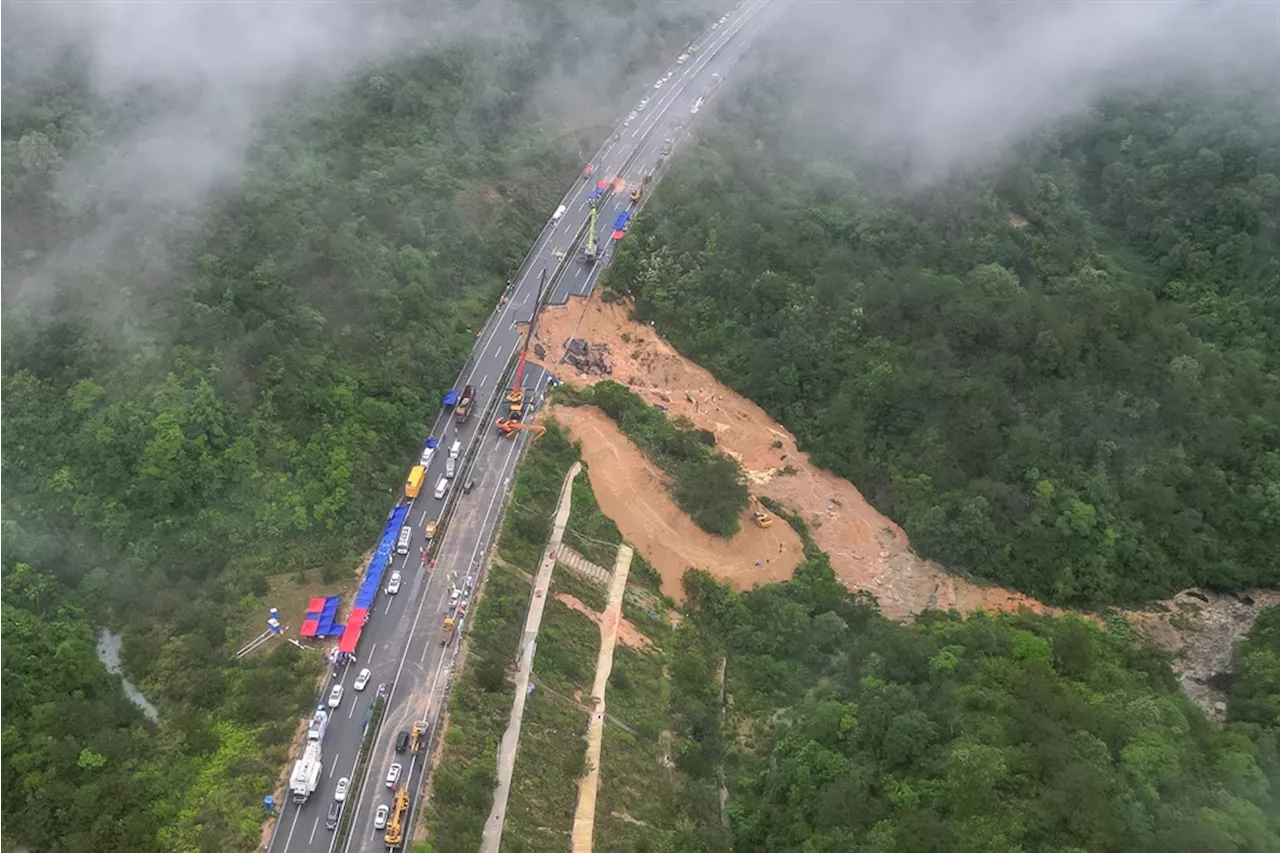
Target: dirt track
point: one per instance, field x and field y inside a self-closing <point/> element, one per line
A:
<point x="867" y="550"/>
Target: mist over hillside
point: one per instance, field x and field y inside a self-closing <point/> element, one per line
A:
<point x="944" y="86"/>
<point x="181" y="92"/>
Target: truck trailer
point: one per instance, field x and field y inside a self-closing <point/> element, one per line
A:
<point x="413" y="485"/>
<point x="462" y="411"/>
<point x="306" y="773"/>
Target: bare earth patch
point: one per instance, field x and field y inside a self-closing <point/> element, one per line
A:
<point x="627" y="632"/>
<point x="868" y="551"/>
<point x="631" y="491"/>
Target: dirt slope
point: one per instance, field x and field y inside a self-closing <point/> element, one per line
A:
<point x="868" y="551"/>
<point x="630" y="490"/>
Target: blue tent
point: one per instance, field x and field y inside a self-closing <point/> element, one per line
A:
<point x="451" y="398"/>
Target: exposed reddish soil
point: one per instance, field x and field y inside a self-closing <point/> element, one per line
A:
<point x="631" y="491"/>
<point x="627" y="633"/>
<point x="868" y="551"/>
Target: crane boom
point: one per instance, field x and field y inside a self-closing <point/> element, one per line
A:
<point x="516" y="397"/>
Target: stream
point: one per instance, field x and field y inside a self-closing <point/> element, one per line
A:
<point x="109" y="654"/>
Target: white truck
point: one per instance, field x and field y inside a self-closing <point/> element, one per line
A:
<point x="319" y="723"/>
<point x="306" y="773"/>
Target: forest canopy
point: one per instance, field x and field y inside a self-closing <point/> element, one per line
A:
<point x="1061" y="373"/>
<point x="845" y="731"/>
<point x="229" y="400"/>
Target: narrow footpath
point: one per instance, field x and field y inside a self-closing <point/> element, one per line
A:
<point x="584" y="817"/>
<point x="492" y="836"/>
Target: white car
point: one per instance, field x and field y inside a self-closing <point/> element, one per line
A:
<point x="667" y="76"/>
<point x="362" y="680"/>
<point x="393" y="775"/>
<point x="340" y="793"/>
<point x="393" y="585"/>
<point x="380" y="816"/>
<point x="716" y="25"/>
<point x="724" y="18"/>
<point x="335" y="696"/>
<point x="658" y="85"/>
<point x="644" y="102"/>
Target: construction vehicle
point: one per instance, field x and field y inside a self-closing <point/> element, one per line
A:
<point x="413" y="485"/>
<point x="306" y="773"/>
<point x="759" y="515"/>
<point x="394" y="835"/>
<point x="462" y="410"/>
<point x="418" y="737"/>
<point x="515" y="400"/>
<point x="591" y="251"/>
<point x="509" y="428"/>
<point x="635" y="194"/>
<point x="447" y="627"/>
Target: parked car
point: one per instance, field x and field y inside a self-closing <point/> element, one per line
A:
<point x="380" y="816"/>
<point x="331" y="819"/>
<point x="393" y="585"/>
<point x="340" y="793"/>
<point x="402" y="741"/>
<point x="335" y="696"/>
<point x="362" y="680"/>
<point x="393" y="775"/>
<point x="431" y="528"/>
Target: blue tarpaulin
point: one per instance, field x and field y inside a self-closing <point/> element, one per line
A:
<point x="451" y="397"/>
<point x="381" y="558"/>
<point x="433" y="442"/>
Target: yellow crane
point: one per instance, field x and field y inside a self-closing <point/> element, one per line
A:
<point x="395" y="827"/>
<point x="759" y="514"/>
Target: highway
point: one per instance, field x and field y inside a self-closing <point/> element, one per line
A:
<point x="401" y="643"/>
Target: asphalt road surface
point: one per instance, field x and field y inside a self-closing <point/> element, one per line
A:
<point x="401" y="643"/>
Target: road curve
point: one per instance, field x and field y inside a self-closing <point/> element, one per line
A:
<point x="401" y="642"/>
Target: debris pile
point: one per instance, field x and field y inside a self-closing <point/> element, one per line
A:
<point x="589" y="357"/>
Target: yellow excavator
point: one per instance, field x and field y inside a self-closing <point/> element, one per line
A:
<point x="759" y="515"/>
<point x="510" y="427"/>
<point x="394" y="836"/>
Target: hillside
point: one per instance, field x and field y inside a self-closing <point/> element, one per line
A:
<point x="1058" y="373"/>
<point x="210" y="382"/>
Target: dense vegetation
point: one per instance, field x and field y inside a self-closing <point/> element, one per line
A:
<point x="991" y="733"/>
<point x="704" y="482"/>
<point x="233" y="397"/>
<point x="1060" y="374"/>
<point x="1255" y="688"/>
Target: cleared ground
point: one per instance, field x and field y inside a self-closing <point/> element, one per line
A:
<point x="630" y="490"/>
<point x="867" y="550"/>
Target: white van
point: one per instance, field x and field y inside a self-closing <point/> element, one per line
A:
<point x="560" y="212"/>
<point x="442" y="487"/>
<point x="456" y="450"/>
<point x="425" y="459"/>
<point x="406" y="536"/>
<point x="450" y="467"/>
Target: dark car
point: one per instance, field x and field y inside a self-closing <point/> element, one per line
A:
<point x="331" y="822"/>
<point x="402" y="741"/>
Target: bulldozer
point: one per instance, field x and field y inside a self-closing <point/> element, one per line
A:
<point x="759" y="515"/>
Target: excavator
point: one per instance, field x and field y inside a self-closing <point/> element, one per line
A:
<point x="515" y="400"/>
<point x="394" y="836"/>
<point x="759" y="515"/>
<point x="509" y="428"/>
